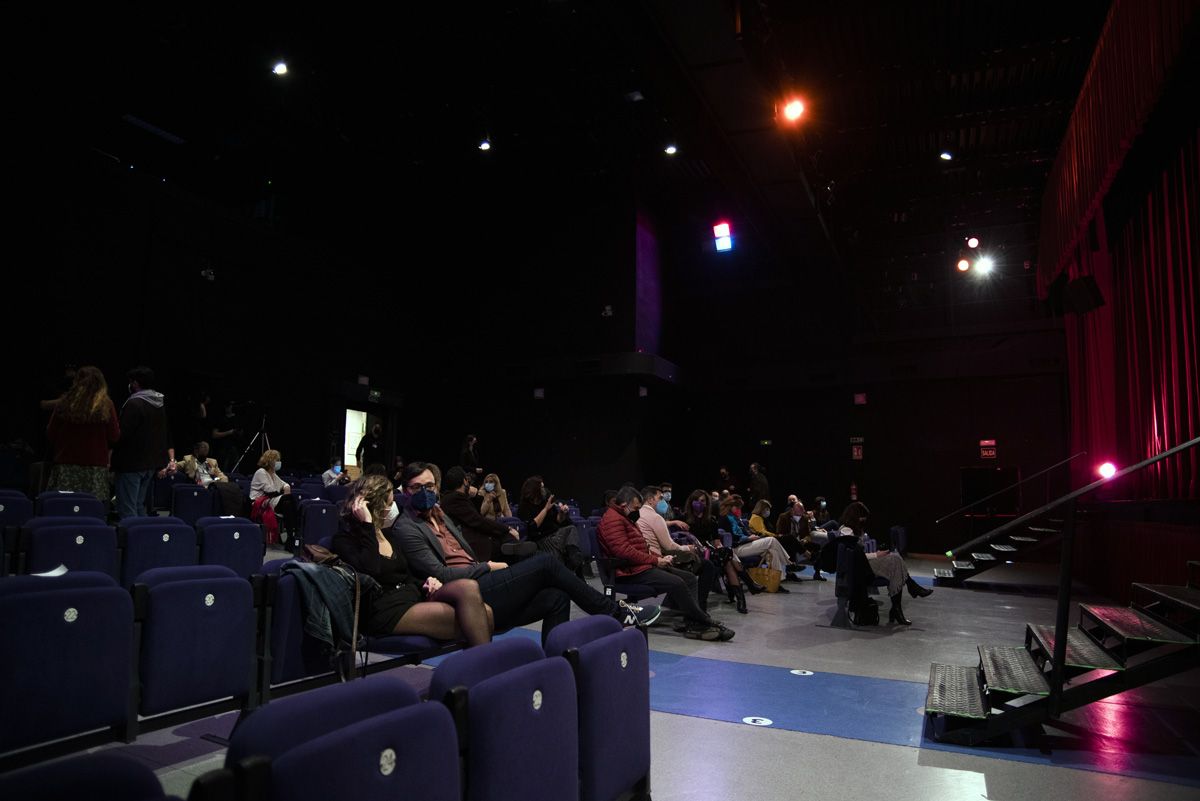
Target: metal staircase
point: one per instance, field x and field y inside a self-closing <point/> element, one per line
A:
<point x="1110" y="650"/>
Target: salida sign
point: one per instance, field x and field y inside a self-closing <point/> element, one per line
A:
<point x="987" y="449"/>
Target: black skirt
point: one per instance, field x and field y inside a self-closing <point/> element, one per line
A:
<point x="384" y="610"/>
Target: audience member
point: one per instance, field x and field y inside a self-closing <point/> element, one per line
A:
<point x="760" y="490"/>
<point x="335" y="474"/>
<point x="667" y="495"/>
<point x="793" y="528"/>
<point x="403" y="604"/>
<point x="494" y="500"/>
<point x="269" y="491"/>
<point x="144" y="446"/>
<point x="370" y="448"/>
<point x="758" y="519"/>
<point x="725" y="480"/>
<point x="547" y="524"/>
<point x="201" y="468"/>
<point x="469" y="457"/>
<point x="746" y="545"/>
<point x="619" y="536"/>
<point x="703" y="526"/>
<point x="83" y="428"/>
<point x="486" y="537"/>
<point x="538" y="588"/>
<point x="226" y="437"/>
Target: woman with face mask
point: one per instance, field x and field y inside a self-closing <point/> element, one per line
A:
<point x="267" y="488"/>
<point x="494" y="501"/>
<point x="703" y="526"/>
<point x="404" y="605"/>
<point x="548" y="524"/>
<point x="746" y="544"/>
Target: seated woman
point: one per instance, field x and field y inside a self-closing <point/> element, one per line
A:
<point x="452" y="611"/>
<point x="547" y="524"/>
<point x="268" y="489"/>
<point x="793" y="528"/>
<point x="704" y="528"/>
<point x="882" y="564"/>
<point x="746" y="544"/>
<point x="494" y="500"/>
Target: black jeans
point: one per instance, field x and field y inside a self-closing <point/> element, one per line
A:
<point x="679" y="585"/>
<point x="539" y="588"/>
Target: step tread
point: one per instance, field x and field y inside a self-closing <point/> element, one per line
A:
<point x="961" y="564"/>
<point x="1005" y="548"/>
<point x="1082" y="652"/>
<point x="1188" y="597"/>
<point x="1044" y="530"/>
<point x="1130" y="624"/>
<point x="1018" y="538"/>
<point x="1011" y="669"/>
<point x="954" y="690"/>
<point x="983" y="557"/>
<point x="943" y="573"/>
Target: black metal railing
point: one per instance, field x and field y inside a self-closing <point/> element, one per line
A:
<point x="1009" y="488"/>
<point x="1062" y="612"/>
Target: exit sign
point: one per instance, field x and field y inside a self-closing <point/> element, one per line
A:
<point x="987" y="449"/>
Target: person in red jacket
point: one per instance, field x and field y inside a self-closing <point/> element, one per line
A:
<point x="620" y="538"/>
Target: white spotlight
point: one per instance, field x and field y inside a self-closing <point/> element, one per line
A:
<point x="485" y="145"/>
<point x="984" y="265"/>
<point x="280" y="68"/>
<point x="945" y="155"/>
<point x="670" y="150"/>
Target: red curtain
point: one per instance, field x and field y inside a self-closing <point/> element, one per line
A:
<point x="1157" y="293"/>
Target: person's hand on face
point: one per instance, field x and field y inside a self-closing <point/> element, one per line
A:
<point x="358" y="508"/>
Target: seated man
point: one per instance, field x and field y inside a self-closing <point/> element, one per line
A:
<point x="620" y="538"/>
<point x="335" y="474"/>
<point x="538" y="588"/>
<point x="486" y="537"/>
<point x="198" y="467"/>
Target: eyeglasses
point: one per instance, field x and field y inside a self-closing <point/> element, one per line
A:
<point x="414" y="487"/>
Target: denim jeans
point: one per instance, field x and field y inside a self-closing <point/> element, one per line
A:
<point x="132" y="489"/>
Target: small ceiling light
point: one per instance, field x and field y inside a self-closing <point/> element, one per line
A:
<point x="963" y="265"/>
<point x="794" y="110"/>
<point x="485" y="145"/>
<point x="280" y="68"/>
<point x="973" y="242"/>
<point x="945" y="155"/>
<point x="670" y="150"/>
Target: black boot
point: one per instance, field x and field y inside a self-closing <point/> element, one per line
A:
<point x="896" y="615"/>
<point x="750" y="584"/>
<point x="817" y="574"/>
<point x="740" y="596"/>
<point x="915" y="589"/>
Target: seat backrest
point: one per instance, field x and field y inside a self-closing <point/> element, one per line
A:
<point x="85" y="776"/>
<point x="318" y="519"/>
<point x="468" y="668"/>
<point x="72" y="506"/>
<point x="197" y="638"/>
<point x="282" y="725"/>
<point x="404" y="753"/>
<point x="203" y="523"/>
<point x="335" y="493"/>
<point x="190" y="502"/>
<point x="526" y="713"/>
<point x="577" y="632"/>
<point x="236" y="544"/>
<point x="294" y="654"/>
<point x="80" y="546"/>
<point x="125" y="523"/>
<point x="75" y="579"/>
<point x="67" y="663"/>
<point x="15" y="510"/>
<point x="156" y="545"/>
<point x="612" y="676"/>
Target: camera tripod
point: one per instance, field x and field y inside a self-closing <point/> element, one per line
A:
<point x="266" y="438"/>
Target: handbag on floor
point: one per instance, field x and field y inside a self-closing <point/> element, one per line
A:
<point x="765" y="574"/>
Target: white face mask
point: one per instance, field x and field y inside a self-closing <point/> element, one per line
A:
<point x="278" y="465"/>
<point x="392" y="514"/>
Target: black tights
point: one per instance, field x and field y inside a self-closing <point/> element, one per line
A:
<point x="455" y="611"/>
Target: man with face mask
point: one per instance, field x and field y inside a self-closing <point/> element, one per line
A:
<point x="487" y="538"/>
<point x="201" y="469"/>
<point x="335" y="474"/>
<point x="537" y="588"/>
<point x="620" y="538"/>
<point x="370" y="447"/>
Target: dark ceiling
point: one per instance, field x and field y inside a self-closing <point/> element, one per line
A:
<point x="381" y="111"/>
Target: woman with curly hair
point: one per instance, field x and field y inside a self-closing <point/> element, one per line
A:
<point x="82" y="430"/>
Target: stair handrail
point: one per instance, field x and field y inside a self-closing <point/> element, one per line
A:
<point x="1070" y="496"/>
<point x="973" y="504"/>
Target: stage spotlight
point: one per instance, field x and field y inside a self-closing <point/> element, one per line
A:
<point x="945" y="155"/>
<point x="280" y="68"/>
<point x="1107" y="470"/>
<point x="670" y="150"/>
<point x="794" y="110"/>
<point x="724" y="243"/>
<point x="721" y="229"/>
<point x="963" y="265"/>
<point x="972" y="241"/>
<point x="485" y="145"/>
<point x="984" y="266"/>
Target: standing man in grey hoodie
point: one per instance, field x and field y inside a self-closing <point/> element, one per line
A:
<point x="144" y="446"/>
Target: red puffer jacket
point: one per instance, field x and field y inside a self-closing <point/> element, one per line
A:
<point x="620" y="539"/>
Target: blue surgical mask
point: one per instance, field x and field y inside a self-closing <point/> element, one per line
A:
<point x="337" y="469"/>
<point x="423" y="500"/>
<point x="667" y="496"/>
<point x="278" y="466"/>
<point x="661" y="507"/>
<point x="489" y="487"/>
